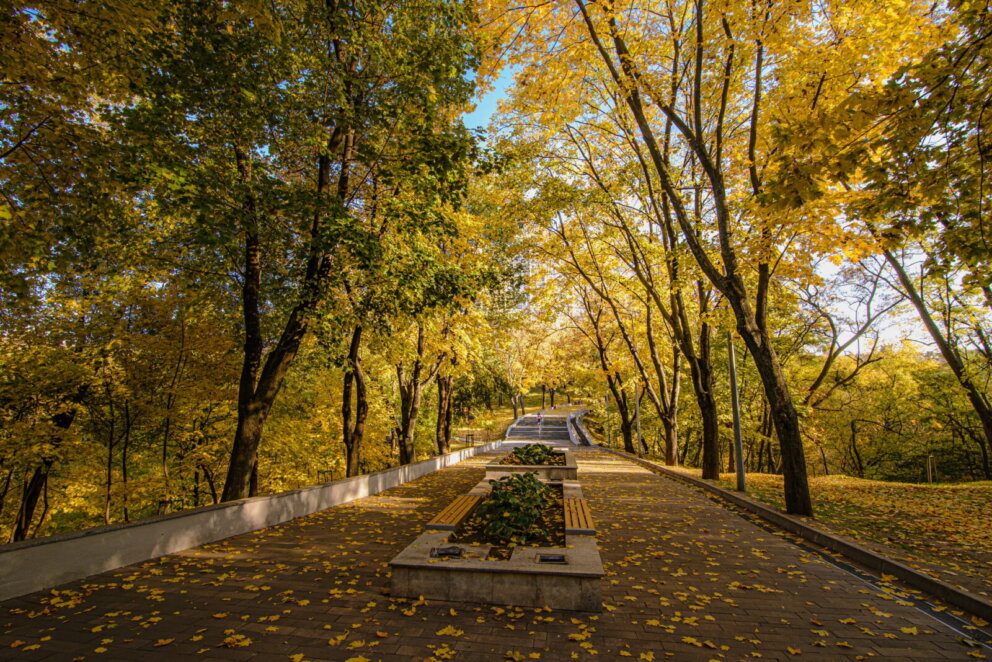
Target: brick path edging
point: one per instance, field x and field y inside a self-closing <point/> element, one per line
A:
<point x="866" y="557"/>
<point x="43" y="563"/>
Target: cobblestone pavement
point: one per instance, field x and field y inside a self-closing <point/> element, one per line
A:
<point x="687" y="580"/>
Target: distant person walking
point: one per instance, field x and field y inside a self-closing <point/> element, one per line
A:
<point x="540" y="418"/>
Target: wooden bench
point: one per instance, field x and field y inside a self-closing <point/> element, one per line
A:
<point x="459" y="509"/>
<point x="578" y="518"/>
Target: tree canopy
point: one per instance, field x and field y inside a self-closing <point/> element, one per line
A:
<point x="248" y="246"/>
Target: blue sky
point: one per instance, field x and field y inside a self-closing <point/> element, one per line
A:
<point x="479" y="118"/>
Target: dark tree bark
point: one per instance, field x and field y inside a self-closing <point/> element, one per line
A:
<point x="211" y="485"/>
<point x="411" y="387"/>
<point x="260" y="383"/>
<point x="5" y="490"/>
<point x="38" y="483"/>
<point x="353" y="434"/>
<point x="125" y="448"/>
<point x="442" y="433"/>
<point x="613" y="380"/>
<point x="859" y="465"/>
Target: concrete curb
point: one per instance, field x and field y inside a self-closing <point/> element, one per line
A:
<point x="43" y="563"/>
<point x="580" y="429"/>
<point x="969" y="602"/>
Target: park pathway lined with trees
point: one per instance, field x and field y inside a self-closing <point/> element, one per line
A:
<point x="686" y="579"/>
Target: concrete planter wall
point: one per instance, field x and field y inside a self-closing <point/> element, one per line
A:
<point x="34" y="565"/>
<point x="546" y="472"/>
<point x="523" y="580"/>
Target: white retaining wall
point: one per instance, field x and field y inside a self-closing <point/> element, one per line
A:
<point x="34" y="565"/>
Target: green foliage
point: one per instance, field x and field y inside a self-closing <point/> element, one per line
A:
<point x="532" y="454"/>
<point x="513" y="510"/>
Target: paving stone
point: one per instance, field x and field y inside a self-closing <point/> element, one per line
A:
<point x="687" y="580"/>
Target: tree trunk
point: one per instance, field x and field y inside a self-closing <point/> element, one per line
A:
<point x="125" y="447"/>
<point x="5" y="490"/>
<point x="170" y="402"/>
<point x="353" y="434"/>
<point x="785" y="419"/>
<point x="29" y="500"/>
<point x="447" y="416"/>
<point x="669" y="393"/>
<point x="411" y="393"/>
<point x="544" y="393"/>
<point x="255" y="401"/>
<point x="408" y="420"/>
<point x="257" y="389"/>
<point x="109" y="473"/>
<point x="38" y="483"/>
<point x="701" y="372"/>
<point x="823" y="458"/>
<point x="442" y="432"/>
<point x="211" y="485"/>
<point x="627" y="430"/>
<point x="859" y="466"/>
<point x="986" y="465"/>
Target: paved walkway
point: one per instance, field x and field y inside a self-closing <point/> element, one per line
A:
<point x="687" y="580"/>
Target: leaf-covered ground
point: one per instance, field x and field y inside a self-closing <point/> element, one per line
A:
<point x="686" y="580"/>
<point x="940" y="528"/>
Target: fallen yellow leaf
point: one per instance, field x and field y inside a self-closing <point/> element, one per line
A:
<point x="450" y="631"/>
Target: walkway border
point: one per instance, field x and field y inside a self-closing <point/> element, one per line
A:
<point x="577" y="430"/>
<point x="43" y="563"/>
<point x="874" y="561"/>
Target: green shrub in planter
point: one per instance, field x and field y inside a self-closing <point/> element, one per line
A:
<point x="514" y="508"/>
<point x="532" y="454"/>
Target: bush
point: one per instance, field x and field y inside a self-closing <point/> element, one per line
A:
<point x="514" y="508"/>
<point x="532" y="454"/>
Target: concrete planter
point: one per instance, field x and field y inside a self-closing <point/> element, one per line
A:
<point x="546" y="472"/>
<point x="557" y="577"/>
<point x="523" y="580"/>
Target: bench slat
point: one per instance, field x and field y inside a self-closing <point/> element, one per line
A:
<point x="454" y="513"/>
<point x="578" y="518"/>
